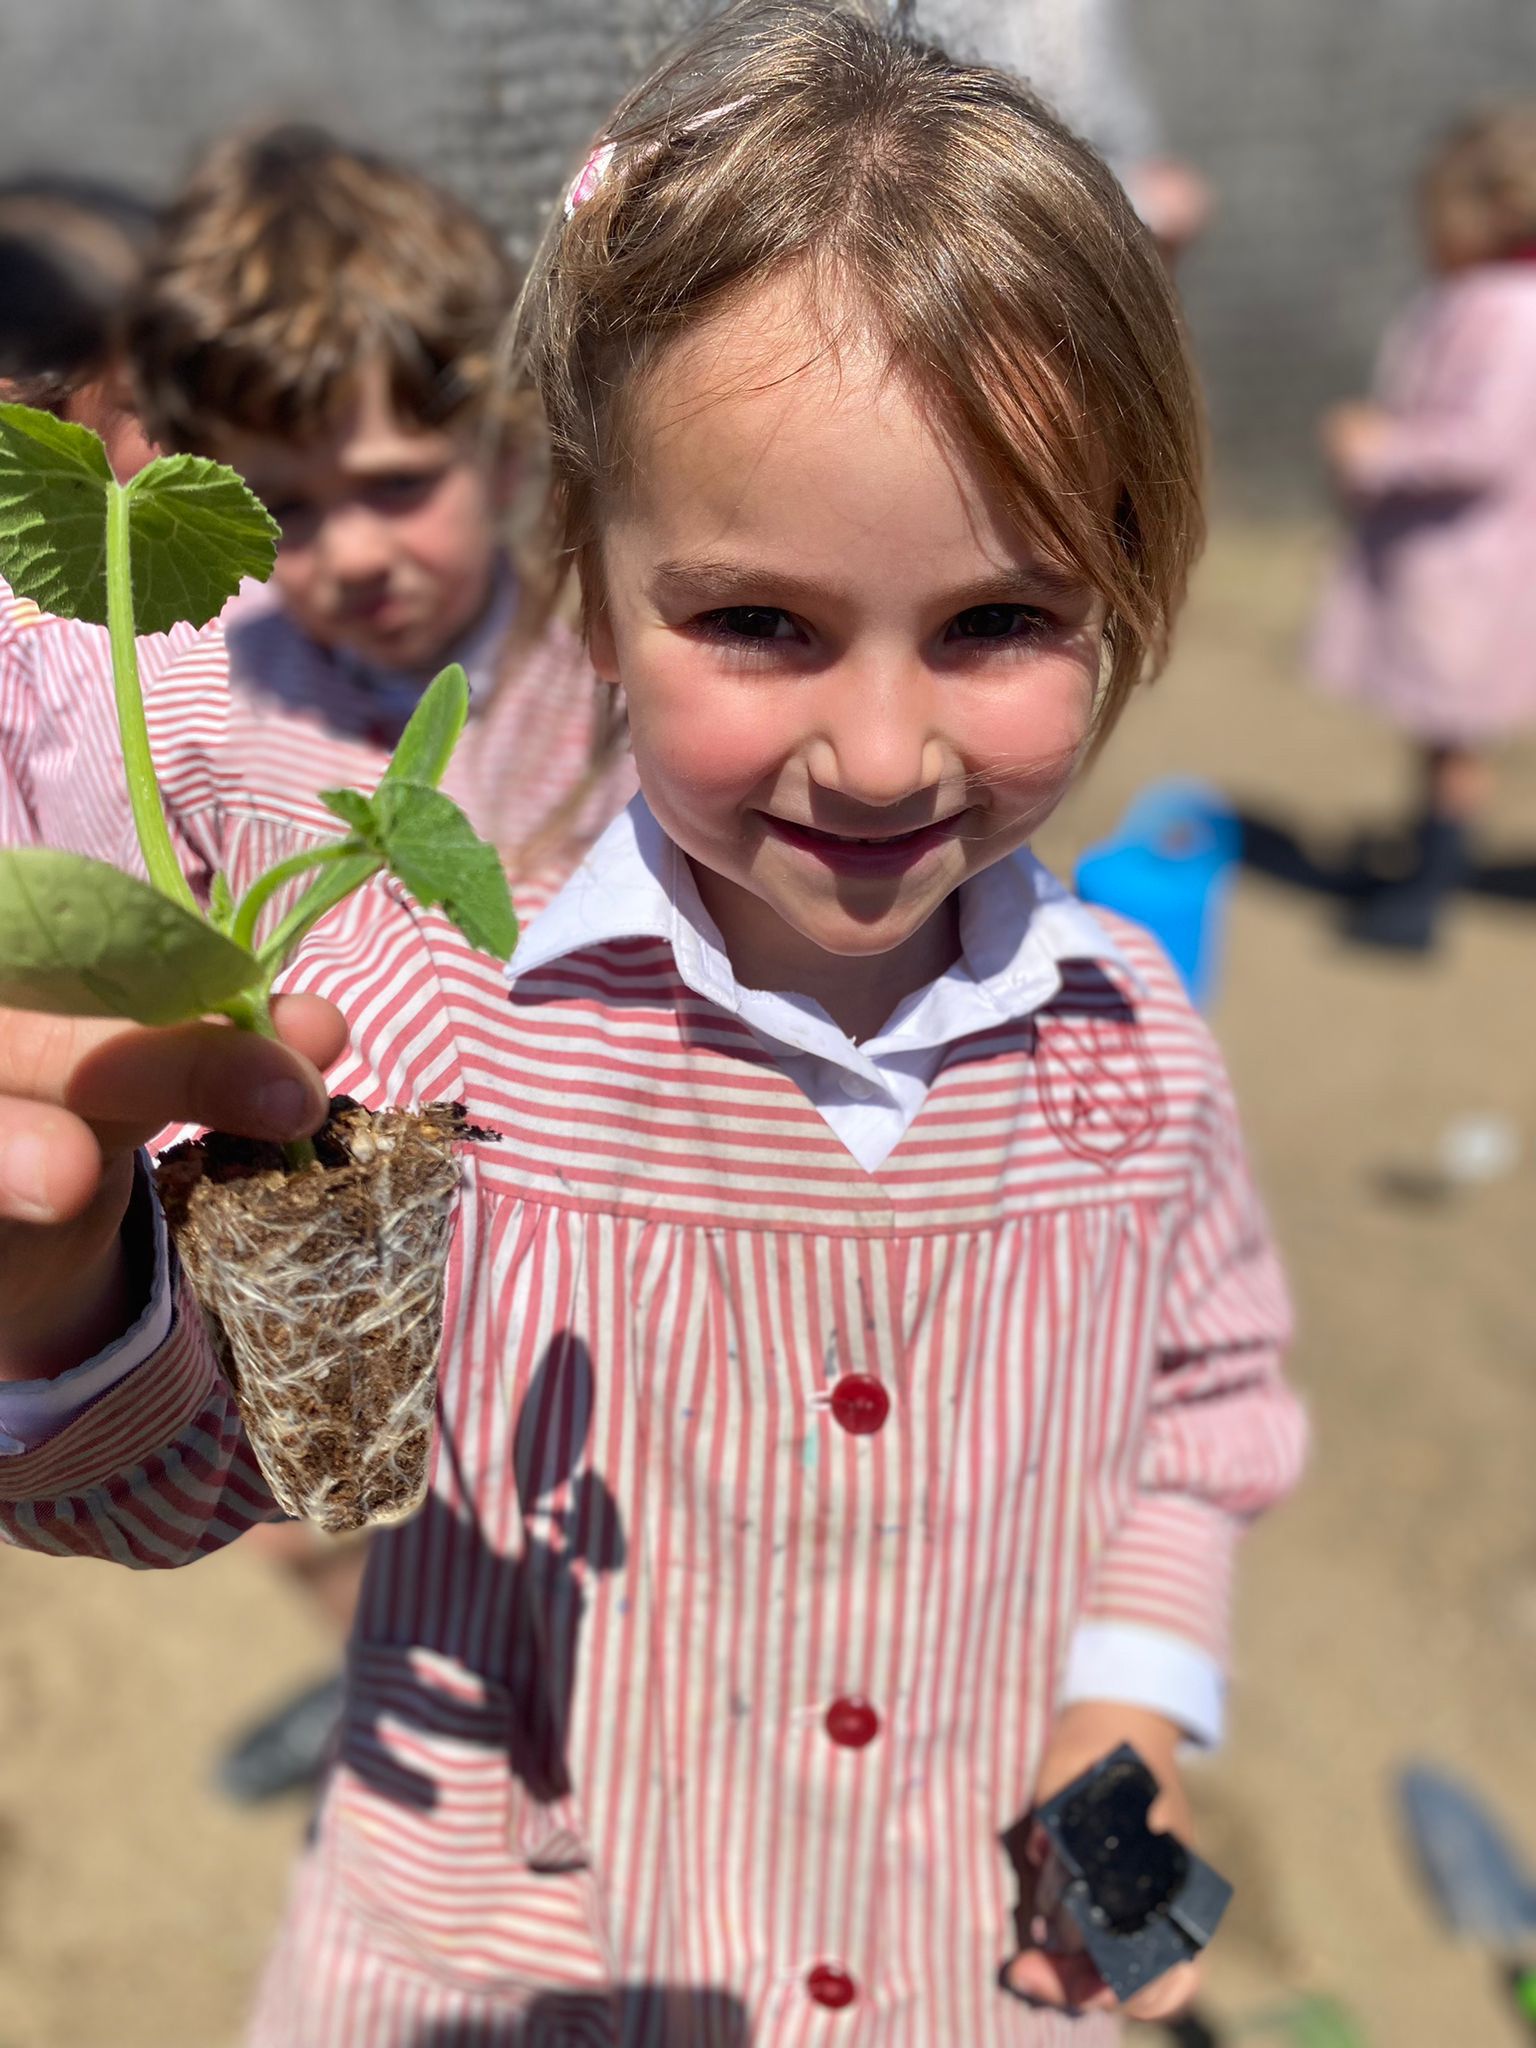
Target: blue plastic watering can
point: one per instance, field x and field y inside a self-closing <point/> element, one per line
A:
<point x="1170" y="866"/>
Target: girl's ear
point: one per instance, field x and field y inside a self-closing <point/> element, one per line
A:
<point x="601" y="647"/>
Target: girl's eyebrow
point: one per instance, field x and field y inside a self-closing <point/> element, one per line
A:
<point x="691" y="576"/>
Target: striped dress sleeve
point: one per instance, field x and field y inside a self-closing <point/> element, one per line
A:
<point x="158" y="1472"/>
<point x="1224" y="1436"/>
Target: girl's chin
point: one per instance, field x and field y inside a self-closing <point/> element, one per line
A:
<point x="842" y="932"/>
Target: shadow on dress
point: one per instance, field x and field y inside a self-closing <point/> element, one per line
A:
<point x="572" y="1526"/>
<point x="628" y="2016"/>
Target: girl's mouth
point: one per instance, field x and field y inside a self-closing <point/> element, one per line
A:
<point x="891" y="853"/>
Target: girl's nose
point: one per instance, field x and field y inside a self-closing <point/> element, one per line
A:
<point x="875" y="737"/>
<point x="353" y="545"/>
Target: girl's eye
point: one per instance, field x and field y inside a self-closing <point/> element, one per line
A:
<point x="291" y="514"/>
<point x="999" y="622"/>
<point x="749" y="622"/>
<point x="395" y="493"/>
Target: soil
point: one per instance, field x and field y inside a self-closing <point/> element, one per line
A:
<point x="323" y="1290"/>
<point x="1388" y="1613"/>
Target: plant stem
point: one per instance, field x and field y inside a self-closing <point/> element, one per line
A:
<point x="143" y="791"/>
<point x="253" y="1012"/>
<point x="255" y="900"/>
<point x="324" y="896"/>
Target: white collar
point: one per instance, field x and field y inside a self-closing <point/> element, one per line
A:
<point x="1018" y="926"/>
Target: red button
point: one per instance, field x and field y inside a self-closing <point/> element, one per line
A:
<point x="860" y="1403"/>
<point x="829" y="1985"/>
<point x="852" y="1722"/>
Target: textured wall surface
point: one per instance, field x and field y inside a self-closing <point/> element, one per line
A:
<point x="129" y="87"/>
<point x="1311" y="117"/>
<point x="1308" y="116"/>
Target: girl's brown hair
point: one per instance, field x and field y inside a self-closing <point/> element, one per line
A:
<point x="1485" y="171"/>
<point x="951" y="216"/>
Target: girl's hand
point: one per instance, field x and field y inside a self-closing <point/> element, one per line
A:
<point x="1352" y="436"/>
<point x="77" y="1097"/>
<point x="1054" y="1970"/>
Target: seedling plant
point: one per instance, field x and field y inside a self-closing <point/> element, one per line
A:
<point x="300" y="1262"/>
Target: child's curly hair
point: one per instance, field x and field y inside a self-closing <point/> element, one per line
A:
<point x="287" y="262"/>
<point x="945" y="211"/>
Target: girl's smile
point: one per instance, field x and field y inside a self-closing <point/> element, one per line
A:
<point x="890" y="852"/>
<point x="851" y="681"/>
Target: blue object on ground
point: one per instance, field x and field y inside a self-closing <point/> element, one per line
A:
<point x="1169" y="866"/>
<point x="1476" y="1876"/>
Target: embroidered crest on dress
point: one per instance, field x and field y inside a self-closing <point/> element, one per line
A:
<point x="1098" y="1086"/>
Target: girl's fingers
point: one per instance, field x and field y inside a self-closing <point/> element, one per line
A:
<point x="50" y="1164"/>
<point x="1068" y="1982"/>
<point x="131" y="1082"/>
<point x="313" y="1027"/>
<point x="1167" y="1997"/>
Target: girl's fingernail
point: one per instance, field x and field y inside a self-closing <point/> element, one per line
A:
<point x="284" y="1106"/>
<point x="24" y="1170"/>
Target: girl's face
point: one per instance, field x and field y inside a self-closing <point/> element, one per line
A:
<point x="390" y="531"/>
<point x="851" y="681"/>
<point x="1456" y="221"/>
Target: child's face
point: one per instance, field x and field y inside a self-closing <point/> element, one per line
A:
<point x="389" y="530"/>
<point x="1456" y="221"/>
<point x="851" y="681"/>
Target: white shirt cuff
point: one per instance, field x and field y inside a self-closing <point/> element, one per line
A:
<point x="32" y="1411"/>
<point x="1146" y="1667"/>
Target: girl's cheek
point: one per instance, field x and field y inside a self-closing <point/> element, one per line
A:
<point x="710" y="745"/>
<point x="1036" y="741"/>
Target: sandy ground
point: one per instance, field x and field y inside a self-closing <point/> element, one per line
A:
<point x="1389" y="1612"/>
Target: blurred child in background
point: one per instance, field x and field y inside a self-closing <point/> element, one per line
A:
<point x="1432" y="614"/>
<point x="325" y="321"/>
<point x="70" y="253"/>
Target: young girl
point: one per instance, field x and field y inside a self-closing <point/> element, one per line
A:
<point x="862" y="1338"/>
<point x="1432" y="616"/>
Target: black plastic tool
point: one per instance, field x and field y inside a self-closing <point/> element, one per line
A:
<point x="1142" y="1902"/>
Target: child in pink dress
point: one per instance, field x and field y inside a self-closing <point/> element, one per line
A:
<point x="862" y="1343"/>
<point x="1432" y="616"/>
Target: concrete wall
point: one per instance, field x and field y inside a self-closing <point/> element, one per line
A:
<point x="1311" y="117"/>
<point x="128" y="87"/>
<point x="1308" y="115"/>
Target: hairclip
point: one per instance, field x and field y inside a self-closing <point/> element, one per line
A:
<point x="589" y="177"/>
<point x="596" y="167"/>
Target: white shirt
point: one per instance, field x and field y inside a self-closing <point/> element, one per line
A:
<point x="1017" y="926"/>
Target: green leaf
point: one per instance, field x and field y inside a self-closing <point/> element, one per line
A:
<point x="1312" y="2023"/>
<point x="54" y="479"/>
<point x="81" y="939"/>
<point x="432" y="847"/>
<point x="221" y="904"/>
<point x="195" y="531"/>
<point x="430" y="737"/>
<point x="354" y="809"/>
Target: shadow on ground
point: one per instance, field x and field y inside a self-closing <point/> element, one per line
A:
<point x="1272" y="848"/>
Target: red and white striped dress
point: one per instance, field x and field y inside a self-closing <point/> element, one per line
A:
<point x="255" y="753"/>
<point x="688" y="1683"/>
